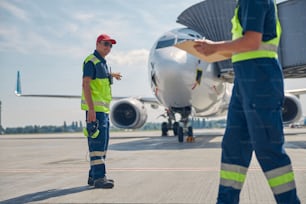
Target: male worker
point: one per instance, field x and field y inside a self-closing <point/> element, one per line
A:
<point x="96" y="98"/>
<point x="254" y="121"/>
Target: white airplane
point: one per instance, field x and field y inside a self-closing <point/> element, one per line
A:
<point x="186" y="85"/>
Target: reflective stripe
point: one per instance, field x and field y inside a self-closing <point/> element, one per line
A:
<point x="254" y="55"/>
<point x="278" y="172"/>
<point x="95" y="60"/>
<point x="230" y="183"/>
<point x="100" y="90"/>
<point x="232" y="175"/>
<point x="267" y="49"/>
<point x="96" y="162"/>
<point x="92" y="58"/>
<point x="283" y="188"/>
<point x="97" y="103"/>
<point x="281" y="179"/>
<point x="97" y="154"/>
<point x="235" y="168"/>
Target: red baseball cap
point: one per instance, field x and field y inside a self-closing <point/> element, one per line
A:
<point x="104" y="37"/>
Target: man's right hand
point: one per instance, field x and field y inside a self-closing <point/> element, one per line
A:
<point x="91" y="116"/>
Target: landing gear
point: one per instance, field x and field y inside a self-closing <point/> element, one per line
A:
<point x="164" y="129"/>
<point x="190" y="137"/>
<point x="180" y="135"/>
<point x="176" y="125"/>
<point x="181" y="128"/>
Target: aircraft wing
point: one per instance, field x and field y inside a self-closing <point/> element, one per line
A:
<point x="296" y="92"/>
<point x="211" y="18"/>
<point x="18" y="92"/>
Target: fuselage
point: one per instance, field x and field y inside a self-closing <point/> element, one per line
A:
<point x="179" y="79"/>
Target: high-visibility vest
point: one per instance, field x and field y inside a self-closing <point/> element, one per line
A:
<point x="267" y="49"/>
<point x="100" y="90"/>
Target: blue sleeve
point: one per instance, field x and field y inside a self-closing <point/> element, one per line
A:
<point x="252" y="15"/>
<point x="89" y="70"/>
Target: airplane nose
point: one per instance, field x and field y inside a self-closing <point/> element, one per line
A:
<point x="170" y="55"/>
<point x="173" y="70"/>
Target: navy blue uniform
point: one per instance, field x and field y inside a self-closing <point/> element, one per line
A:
<point x="254" y="121"/>
<point x="99" y="144"/>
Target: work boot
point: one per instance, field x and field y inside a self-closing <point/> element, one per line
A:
<point x="103" y="183"/>
<point x="90" y="181"/>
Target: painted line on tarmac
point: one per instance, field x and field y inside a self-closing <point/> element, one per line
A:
<point x="69" y="170"/>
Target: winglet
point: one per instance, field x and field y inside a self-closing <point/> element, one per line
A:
<point x="18" y="85"/>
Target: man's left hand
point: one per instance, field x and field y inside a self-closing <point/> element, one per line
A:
<point x="117" y="75"/>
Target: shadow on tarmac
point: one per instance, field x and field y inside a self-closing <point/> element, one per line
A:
<point x="171" y="143"/>
<point x="167" y="143"/>
<point x="43" y="195"/>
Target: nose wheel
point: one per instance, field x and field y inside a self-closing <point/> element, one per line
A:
<point x="188" y="131"/>
<point x="180" y="129"/>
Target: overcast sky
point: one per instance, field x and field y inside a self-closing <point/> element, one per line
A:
<point x="48" y="41"/>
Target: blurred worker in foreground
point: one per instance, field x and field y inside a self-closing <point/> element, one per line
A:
<point x="96" y="98"/>
<point x="254" y="121"/>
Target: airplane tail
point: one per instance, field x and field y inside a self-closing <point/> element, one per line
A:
<point x="18" y="91"/>
<point x="18" y="85"/>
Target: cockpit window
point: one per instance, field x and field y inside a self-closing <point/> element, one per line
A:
<point x="165" y="43"/>
<point x="168" y="43"/>
<point x="194" y="36"/>
<point x="180" y="40"/>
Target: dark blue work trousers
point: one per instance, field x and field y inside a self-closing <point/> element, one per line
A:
<point x="98" y="147"/>
<point x="254" y="123"/>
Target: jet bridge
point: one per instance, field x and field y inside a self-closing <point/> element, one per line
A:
<point x="211" y="18"/>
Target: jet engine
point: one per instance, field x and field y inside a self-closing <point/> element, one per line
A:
<point x="128" y="113"/>
<point x="292" y="109"/>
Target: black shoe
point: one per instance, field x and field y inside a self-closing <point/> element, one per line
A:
<point x="103" y="183"/>
<point x="90" y="181"/>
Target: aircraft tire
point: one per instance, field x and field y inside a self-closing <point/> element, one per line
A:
<point x="180" y="135"/>
<point x="190" y="131"/>
<point x="164" y="129"/>
<point x="175" y="128"/>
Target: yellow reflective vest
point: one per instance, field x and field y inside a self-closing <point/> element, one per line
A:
<point x="267" y="49"/>
<point x="100" y="89"/>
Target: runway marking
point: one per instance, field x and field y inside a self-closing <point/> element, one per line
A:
<point x="148" y="169"/>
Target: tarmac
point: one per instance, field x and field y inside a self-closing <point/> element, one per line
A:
<point x="147" y="169"/>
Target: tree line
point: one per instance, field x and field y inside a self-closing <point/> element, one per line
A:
<point x="196" y="123"/>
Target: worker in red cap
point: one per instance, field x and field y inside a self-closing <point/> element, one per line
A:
<point x="96" y="98"/>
